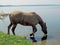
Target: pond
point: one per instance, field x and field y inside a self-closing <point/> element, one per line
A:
<point x="50" y="14"/>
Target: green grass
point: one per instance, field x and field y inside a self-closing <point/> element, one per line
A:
<point x="13" y="40"/>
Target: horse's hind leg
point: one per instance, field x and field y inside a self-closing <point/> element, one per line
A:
<point x="9" y="27"/>
<point x="34" y="30"/>
<point x="13" y="28"/>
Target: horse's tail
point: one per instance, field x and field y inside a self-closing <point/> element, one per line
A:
<point x="3" y="16"/>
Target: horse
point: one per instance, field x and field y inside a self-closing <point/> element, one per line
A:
<point x="26" y="19"/>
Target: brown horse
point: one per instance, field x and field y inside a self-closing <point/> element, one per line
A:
<point x="27" y="19"/>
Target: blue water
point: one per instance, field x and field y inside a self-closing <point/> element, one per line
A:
<point x="50" y="14"/>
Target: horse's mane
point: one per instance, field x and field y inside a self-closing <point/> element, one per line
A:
<point x="16" y="12"/>
<point x="24" y="13"/>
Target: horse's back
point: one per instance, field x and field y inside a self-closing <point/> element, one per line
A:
<point x="29" y="17"/>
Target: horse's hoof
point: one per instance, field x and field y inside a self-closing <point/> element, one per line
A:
<point x="34" y="40"/>
<point x="44" y="37"/>
<point x="32" y="35"/>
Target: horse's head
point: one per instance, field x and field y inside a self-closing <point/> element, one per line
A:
<point x="44" y="28"/>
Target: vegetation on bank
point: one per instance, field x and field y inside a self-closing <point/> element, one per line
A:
<point x="6" y="39"/>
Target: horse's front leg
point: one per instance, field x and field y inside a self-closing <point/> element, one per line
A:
<point x="34" y="31"/>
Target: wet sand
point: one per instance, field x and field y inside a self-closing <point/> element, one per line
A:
<point x="47" y="41"/>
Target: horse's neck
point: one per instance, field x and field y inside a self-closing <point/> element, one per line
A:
<point x="42" y="24"/>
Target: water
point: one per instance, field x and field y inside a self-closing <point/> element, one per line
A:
<point x="50" y="14"/>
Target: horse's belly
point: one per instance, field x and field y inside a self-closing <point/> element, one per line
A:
<point x="25" y="24"/>
<point x="30" y="21"/>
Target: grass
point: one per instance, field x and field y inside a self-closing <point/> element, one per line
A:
<point x="13" y="40"/>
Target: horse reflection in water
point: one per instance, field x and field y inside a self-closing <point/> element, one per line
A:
<point x="27" y="19"/>
<point x="43" y="40"/>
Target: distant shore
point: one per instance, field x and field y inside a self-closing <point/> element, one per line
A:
<point x="30" y="5"/>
